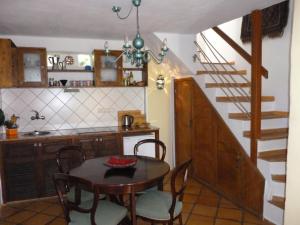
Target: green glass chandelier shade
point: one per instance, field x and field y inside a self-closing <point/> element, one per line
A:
<point x="138" y="41"/>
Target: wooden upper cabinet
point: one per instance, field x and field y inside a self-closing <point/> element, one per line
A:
<point x="8" y="67"/>
<point x="108" y="71"/>
<point x="32" y="67"/>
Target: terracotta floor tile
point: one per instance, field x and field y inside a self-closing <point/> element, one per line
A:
<point x="204" y="210"/>
<point x="19" y="205"/>
<point x="227" y="204"/>
<point x="38" y="206"/>
<point x="6" y="211"/>
<point x="227" y="222"/>
<point x="20" y="216"/>
<point x="209" y="193"/>
<point x="187" y="207"/>
<point x="190" y="198"/>
<point x="249" y="218"/>
<point x="39" y="219"/>
<point x="203" y="200"/>
<point x="53" y="200"/>
<point x="191" y="189"/>
<point x="53" y="210"/>
<point x="199" y="220"/>
<point x="6" y="223"/>
<point x="58" y="221"/>
<point x="232" y="214"/>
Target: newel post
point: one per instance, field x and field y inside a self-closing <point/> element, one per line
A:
<point x="256" y="66"/>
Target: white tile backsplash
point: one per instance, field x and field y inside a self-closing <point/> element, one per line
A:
<point x="90" y="107"/>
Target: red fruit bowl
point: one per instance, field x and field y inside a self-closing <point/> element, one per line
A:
<point x="121" y="161"/>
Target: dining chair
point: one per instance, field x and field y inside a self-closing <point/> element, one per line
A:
<point x="70" y="157"/>
<point x="160" y="155"/>
<point x="160" y="144"/>
<point x="92" y="212"/>
<point x="165" y="207"/>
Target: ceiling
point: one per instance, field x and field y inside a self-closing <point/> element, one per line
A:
<point x="94" y="18"/>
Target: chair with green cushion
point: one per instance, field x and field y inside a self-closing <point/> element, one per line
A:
<point x="165" y="207"/>
<point x="159" y="145"/>
<point x="91" y="212"/>
<point x="67" y="158"/>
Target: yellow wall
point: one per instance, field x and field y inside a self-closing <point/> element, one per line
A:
<point x="292" y="208"/>
<point x="159" y="107"/>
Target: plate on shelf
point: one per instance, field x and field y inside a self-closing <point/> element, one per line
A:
<point x="120" y="162"/>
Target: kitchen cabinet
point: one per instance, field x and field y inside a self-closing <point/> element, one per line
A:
<point x="47" y="163"/>
<point x="28" y="163"/>
<point x="28" y="168"/>
<point x="219" y="161"/>
<point x="20" y="167"/>
<point x="8" y="63"/>
<point x="108" y="71"/>
<point x="32" y="67"/>
<point x="100" y="145"/>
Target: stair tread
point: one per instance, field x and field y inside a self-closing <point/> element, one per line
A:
<point x="278" y="201"/>
<point x="229" y="72"/>
<point x="271" y="134"/>
<point x="243" y="99"/>
<point x="219" y="63"/>
<point x="281" y="178"/>
<point x="273" y="155"/>
<point x="219" y="85"/>
<point x="264" y="115"/>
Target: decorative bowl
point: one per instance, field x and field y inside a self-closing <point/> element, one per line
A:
<point x="63" y="82"/>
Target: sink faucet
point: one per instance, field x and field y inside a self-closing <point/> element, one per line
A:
<point x="37" y="116"/>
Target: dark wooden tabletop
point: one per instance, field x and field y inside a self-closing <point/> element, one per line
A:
<point x="146" y="173"/>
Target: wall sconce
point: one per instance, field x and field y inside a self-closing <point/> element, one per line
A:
<point x="160" y="82"/>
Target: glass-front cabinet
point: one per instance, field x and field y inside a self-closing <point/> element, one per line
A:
<point x="32" y="67"/>
<point x="108" y="68"/>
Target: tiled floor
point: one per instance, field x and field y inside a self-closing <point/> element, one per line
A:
<point x="201" y="207"/>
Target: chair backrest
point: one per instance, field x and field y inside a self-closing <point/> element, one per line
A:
<point x="69" y="157"/>
<point x="180" y="174"/>
<point x="158" y="145"/>
<point x="62" y="183"/>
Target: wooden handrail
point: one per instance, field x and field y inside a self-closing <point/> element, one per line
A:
<point x="256" y="51"/>
<point x="239" y="49"/>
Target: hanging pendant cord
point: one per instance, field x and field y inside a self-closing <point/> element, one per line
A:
<point x="137" y="20"/>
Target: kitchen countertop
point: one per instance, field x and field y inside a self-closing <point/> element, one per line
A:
<point x="78" y="132"/>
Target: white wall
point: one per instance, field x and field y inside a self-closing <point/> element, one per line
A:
<point x="292" y="206"/>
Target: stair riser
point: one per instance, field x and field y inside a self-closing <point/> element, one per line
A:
<point x="268" y="124"/>
<point x="278" y="189"/>
<point x="265" y="106"/>
<point x="271" y="211"/>
<point x="226" y="79"/>
<point x="278" y="167"/>
<point x="271" y="145"/>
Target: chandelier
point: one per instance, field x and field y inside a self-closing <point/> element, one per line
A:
<point x="137" y="54"/>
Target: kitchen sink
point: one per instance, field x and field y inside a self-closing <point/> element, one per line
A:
<point x="37" y="133"/>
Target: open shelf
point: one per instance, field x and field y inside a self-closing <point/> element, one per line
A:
<point x="70" y="71"/>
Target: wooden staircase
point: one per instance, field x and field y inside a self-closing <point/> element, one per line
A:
<point x="276" y="155"/>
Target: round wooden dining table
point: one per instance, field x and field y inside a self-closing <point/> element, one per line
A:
<point x="147" y="172"/>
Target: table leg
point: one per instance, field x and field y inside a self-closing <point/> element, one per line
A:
<point x="132" y="206"/>
<point x="161" y="184"/>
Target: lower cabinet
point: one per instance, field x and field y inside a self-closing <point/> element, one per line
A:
<point x="28" y="168"/>
<point x="20" y="171"/>
<point x="100" y="145"/>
